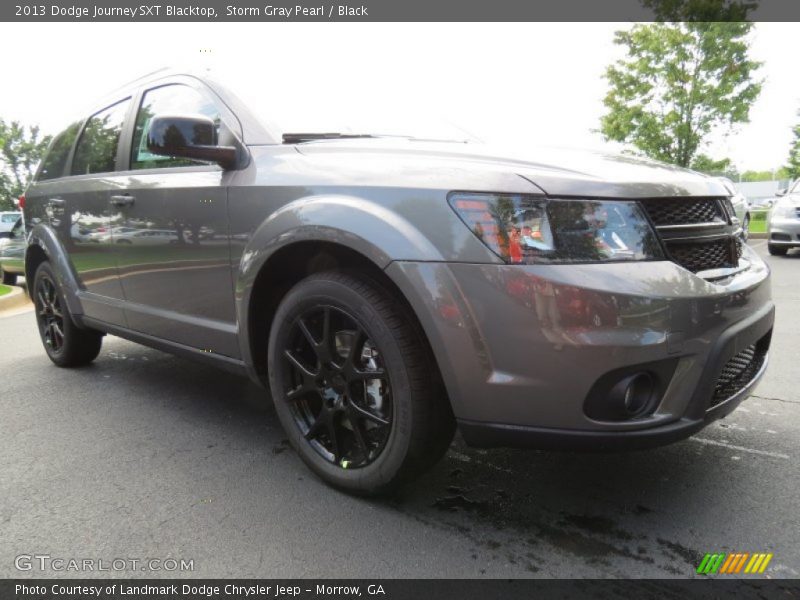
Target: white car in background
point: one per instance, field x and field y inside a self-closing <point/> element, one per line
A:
<point x="145" y="237"/>
<point x="8" y="219"/>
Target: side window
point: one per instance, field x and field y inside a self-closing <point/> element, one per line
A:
<point x="56" y="159"/>
<point x="97" y="148"/>
<point x="167" y="100"/>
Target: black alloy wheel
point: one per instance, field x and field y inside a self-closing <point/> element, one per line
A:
<point x="49" y="314"/>
<point x="340" y="395"/>
<point x="355" y="383"/>
<point x="66" y="344"/>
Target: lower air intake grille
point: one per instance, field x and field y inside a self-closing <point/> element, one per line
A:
<point x="739" y="371"/>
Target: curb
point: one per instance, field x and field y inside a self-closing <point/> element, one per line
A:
<point x="757" y="236"/>
<point x="15" y="299"/>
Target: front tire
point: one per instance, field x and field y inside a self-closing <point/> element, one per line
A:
<point x="777" y="250"/>
<point x="66" y="345"/>
<point x="354" y="384"/>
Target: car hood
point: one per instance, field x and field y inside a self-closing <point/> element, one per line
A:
<point x="557" y="171"/>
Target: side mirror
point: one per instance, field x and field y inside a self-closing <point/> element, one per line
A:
<point x="782" y="192"/>
<point x="192" y="137"/>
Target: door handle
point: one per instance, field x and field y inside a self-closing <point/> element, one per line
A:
<point x="122" y="200"/>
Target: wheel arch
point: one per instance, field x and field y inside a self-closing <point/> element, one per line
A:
<point x="288" y="266"/>
<point x="43" y="245"/>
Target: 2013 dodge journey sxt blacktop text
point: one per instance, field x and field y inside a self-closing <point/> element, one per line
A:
<point x="388" y="289"/>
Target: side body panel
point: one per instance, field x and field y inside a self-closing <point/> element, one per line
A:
<point x="174" y="258"/>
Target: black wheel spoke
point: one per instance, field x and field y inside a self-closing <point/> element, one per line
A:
<point x="334" y="440"/>
<point x="377" y="419"/>
<point x="326" y="330"/>
<point x="358" y="433"/>
<point x="301" y="391"/>
<point x="355" y="347"/>
<point x="307" y="332"/>
<point x="304" y="370"/>
<point x="316" y="427"/>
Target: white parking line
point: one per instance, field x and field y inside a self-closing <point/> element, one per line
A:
<point x="740" y="448"/>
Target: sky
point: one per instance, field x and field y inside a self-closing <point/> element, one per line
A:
<point x="507" y="83"/>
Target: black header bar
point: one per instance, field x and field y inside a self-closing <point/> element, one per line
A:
<point x="397" y="10"/>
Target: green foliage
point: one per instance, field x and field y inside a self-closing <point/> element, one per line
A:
<point x="701" y="10"/>
<point x="793" y="166"/>
<point x="777" y="174"/>
<point x="21" y="148"/>
<point x="706" y="164"/>
<point x="677" y="83"/>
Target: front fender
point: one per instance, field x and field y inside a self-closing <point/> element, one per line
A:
<point x="43" y="237"/>
<point x="366" y="227"/>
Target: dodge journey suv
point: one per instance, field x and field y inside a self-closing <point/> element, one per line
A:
<point x="388" y="290"/>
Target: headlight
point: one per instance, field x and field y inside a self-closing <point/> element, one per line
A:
<point x="524" y="229"/>
<point x="784" y="211"/>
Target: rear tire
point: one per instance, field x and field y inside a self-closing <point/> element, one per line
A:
<point x="362" y="434"/>
<point x="8" y="278"/>
<point x="777" y="250"/>
<point x="746" y="227"/>
<point x="65" y="344"/>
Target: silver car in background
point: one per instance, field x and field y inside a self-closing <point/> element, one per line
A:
<point x="783" y="228"/>
<point x="740" y="204"/>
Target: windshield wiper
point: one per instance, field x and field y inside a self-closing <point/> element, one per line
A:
<point x="298" y="138"/>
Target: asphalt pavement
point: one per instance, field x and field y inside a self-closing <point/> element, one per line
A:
<point x="144" y="455"/>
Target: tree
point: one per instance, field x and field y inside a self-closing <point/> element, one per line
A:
<point x="701" y="10"/>
<point x="793" y="166"/>
<point x="21" y="148"/>
<point x="706" y="164"/>
<point x="677" y="84"/>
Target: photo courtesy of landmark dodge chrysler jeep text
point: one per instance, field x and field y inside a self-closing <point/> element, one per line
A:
<point x="389" y="289"/>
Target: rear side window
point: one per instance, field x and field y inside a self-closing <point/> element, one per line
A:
<point x="97" y="148"/>
<point x="56" y="159"/>
<point x="168" y="100"/>
<point x="11" y="218"/>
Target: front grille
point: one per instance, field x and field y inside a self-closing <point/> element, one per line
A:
<point x="697" y="232"/>
<point x="683" y="211"/>
<point x="739" y="371"/>
<point x="701" y="256"/>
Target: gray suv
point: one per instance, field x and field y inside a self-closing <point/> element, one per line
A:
<point x="387" y="290"/>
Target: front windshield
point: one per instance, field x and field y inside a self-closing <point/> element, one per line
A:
<point x="289" y="103"/>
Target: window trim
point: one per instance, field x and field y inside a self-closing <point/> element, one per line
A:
<point x="122" y="136"/>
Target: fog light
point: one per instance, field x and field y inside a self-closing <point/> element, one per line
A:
<point x="633" y="395"/>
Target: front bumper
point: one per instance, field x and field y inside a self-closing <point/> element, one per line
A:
<point x="784" y="232"/>
<point x="521" y="347"/>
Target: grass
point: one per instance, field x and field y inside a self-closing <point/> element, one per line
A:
<point x="758" y="221"/>
<point x="4" y="289"/>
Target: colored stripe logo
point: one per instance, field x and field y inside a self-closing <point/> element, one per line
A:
<point x="734" y="563"/>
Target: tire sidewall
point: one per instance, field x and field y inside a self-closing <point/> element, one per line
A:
<point x="318" y="291"/>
